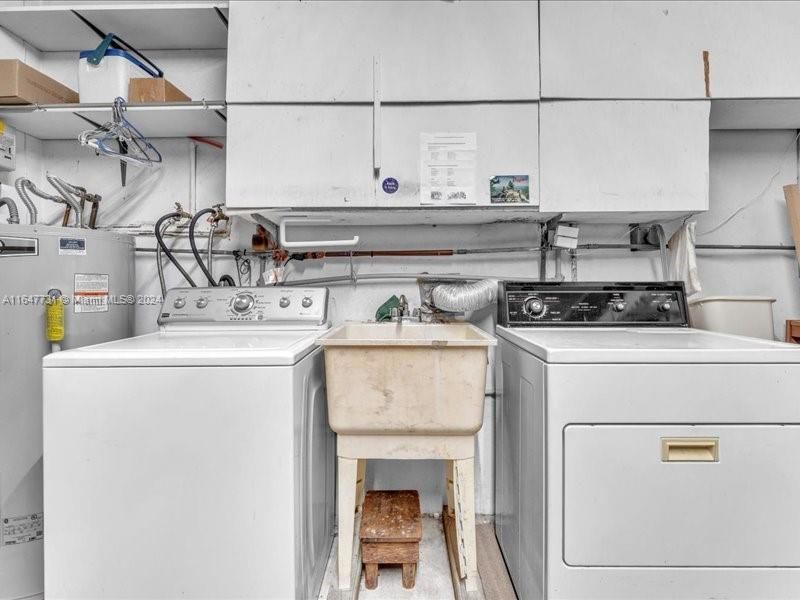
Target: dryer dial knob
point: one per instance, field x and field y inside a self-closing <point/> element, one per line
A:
<point x="179" y="302"/>
<point x="665" y="307"/>
<point x="243" y="303"/>
<point x="618" y="306"/>
<point x="284" y="302"/>
<point x="201" y="302"/>
<point x="534" y="306"/>
<point x="307" y="302"/>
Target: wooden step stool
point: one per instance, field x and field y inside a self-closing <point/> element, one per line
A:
<point x="391" y="528"/>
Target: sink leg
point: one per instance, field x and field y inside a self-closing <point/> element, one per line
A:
<point x="449" y="478"/>
<point x="361" y="483"/>
<point x="462" y="477"/>
<point x="347" y="480"/>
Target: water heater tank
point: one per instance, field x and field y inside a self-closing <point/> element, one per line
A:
<point x="94" y="271"/>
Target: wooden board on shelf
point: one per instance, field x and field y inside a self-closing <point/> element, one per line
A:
<point x="61" y="121"/>
<point x="145" y="25"/>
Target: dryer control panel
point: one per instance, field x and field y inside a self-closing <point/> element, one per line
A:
<point x="531" y="304"/>
<point x="268" y="306"/>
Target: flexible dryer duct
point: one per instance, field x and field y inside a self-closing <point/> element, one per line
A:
<point x="13" y="213"/>
<point x="66" y="191"/>
<point x="463" y="297"/>
<point x="33" y="214"/>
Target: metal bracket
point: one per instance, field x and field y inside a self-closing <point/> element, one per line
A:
<point x="643" y="235"/>
<point x="546" y="228"/>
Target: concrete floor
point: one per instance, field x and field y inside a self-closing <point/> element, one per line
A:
<point x="433" y="573"/>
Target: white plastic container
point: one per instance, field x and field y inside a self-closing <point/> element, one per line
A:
<point x="741" y="315"/>
<point x="109" y="79"/>
<point x="396" y="379"/>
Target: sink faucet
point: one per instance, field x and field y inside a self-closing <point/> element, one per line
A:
<point x="401" y="312"/>
<point x="402" y="307"/>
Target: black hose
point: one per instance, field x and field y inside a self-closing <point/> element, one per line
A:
<point x="160" y="240"/>
<point x="228" y="280"/>
<point x="193" y="244"/>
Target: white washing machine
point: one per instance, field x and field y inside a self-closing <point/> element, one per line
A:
<point x="638" y="458"/>
<point x="195" y="462"/>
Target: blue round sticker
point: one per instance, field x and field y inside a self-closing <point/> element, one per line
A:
<point x="390" y="185"/>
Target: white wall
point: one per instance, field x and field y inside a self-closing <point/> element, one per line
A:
<point x="742" y="164"/>
<point x="746" y="165"/>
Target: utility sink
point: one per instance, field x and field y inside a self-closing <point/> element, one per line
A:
<point x="406" y="378"/>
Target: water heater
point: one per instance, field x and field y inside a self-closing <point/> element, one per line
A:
<point x="92" y="273"/>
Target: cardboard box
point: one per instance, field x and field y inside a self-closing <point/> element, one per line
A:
<point x="22" y="84"/>
<point x="151" y="89"/>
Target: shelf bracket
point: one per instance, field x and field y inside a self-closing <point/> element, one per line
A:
<point x="545" y="229"/>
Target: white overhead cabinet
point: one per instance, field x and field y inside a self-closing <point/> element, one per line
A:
<point x="624" y="156"/>
<point x="507" y="144"/>
<point x="317" y="51"/>
<point x="654" y="49"/>
<point x="328" y="101"/>
<point x="308" y="156"/>
<point x="287" y="155"/>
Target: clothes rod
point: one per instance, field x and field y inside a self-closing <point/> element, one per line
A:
<point x="592" y="246"/>
<point x="744" y="247"/>
<point x="647" y="247"/>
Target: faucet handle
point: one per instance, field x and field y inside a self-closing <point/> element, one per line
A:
<point x="403" y="305"/>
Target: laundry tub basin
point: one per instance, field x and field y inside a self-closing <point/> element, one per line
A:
<point x="409" y="378"/>
<point x="740" y="315"/>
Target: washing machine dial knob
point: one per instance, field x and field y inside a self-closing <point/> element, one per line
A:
<point x="534" y="306"/>
<point x="201" y="302"/>
<point x="618" y="306"/>
<point x="307" y="302"/>
<point x="665" y="307"/>
<point x="284" y="302"/>
<point x="179" y="302"/>
<point x="243" y="303"/>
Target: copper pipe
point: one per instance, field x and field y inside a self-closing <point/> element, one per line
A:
<point x="93" y="216"/>
<point x="375" y="253"/>
<point x="67" y="212"/>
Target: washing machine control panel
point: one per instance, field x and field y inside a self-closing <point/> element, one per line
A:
<point x="269" y="306"/>
<point x="530" y="304"/>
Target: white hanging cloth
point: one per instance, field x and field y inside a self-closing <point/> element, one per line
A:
<point x="682" y="258"/>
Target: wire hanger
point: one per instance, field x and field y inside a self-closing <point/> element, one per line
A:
<point x="132" y="146"/>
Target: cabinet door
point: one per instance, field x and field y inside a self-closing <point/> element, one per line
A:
<point x="299" y="155"/>
<point x="654" y="49"/>
<point x="507" y="144"/>
<point x="624" y="156"/>
<point x="322" y="155"/>
<point x="427" y="51"/>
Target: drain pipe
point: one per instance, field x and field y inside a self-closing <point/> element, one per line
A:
<point x="13" y="213"/>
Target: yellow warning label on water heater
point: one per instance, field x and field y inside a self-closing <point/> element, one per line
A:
<point x="54" y="328"/>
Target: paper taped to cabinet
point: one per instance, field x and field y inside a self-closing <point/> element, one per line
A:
<point x="447" y="168"/>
